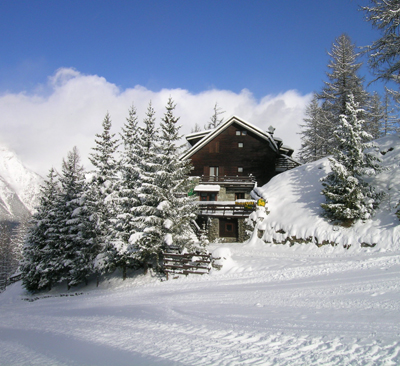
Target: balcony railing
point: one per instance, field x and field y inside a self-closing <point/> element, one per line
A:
<point x="224" y="208"/>
<point x="227" y="179"/>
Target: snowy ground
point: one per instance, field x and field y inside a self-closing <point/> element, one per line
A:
<point x="269" y="305"/>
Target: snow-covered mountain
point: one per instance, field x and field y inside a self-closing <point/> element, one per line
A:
<point x="19" y="187"/>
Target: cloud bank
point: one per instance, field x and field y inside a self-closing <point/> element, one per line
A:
<point x="68" y="110"/>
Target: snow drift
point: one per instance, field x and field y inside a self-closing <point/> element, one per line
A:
<point x="295" y="213"/>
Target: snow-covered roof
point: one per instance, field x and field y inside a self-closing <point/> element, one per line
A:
<point x="207" y="188"/>
<point x="213" y="133"/>
<point x="286" y="162"/>
<point x="286" y="147"/>
<point x="197" y="134"/>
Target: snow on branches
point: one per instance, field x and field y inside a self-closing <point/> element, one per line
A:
<point x="125" y="216"/>
<point x="348" y="196"/>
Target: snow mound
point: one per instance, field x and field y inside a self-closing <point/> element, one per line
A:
<point x="294" y="201"/>
<point x="223" y="260"/>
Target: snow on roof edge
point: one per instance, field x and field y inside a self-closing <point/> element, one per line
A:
<point x="267" y="136"/>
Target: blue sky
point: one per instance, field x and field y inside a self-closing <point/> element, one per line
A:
<point x="260" y="60"/>
<point x="264" y="46"/>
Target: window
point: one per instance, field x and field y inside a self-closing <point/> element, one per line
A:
<point x="240" y="169"/>
<point x="240" y="144"/>
<point x="238" y="133"/>
<point x="214" y="171"/>
<point x="208" y="196"/>
<point x="239" y="196"/>
<point x="244" y="133"/>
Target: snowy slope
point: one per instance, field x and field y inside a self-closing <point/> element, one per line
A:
<point x="294" y="202"/>
<point x="19" y="187"/>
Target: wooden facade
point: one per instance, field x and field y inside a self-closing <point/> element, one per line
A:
<point x="236" y="152"/>
<point x="228" y="161"/>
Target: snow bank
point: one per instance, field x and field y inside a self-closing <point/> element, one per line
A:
<point x="294" y="201"/>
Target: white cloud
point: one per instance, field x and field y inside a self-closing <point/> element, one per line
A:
<point x="41" y="129"/>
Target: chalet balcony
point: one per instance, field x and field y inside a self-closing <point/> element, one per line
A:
<point x="229" y="181"/>
<point x="226" y="208"/>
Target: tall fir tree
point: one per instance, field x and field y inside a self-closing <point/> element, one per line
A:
<point x="121" y="253"/>
<point x="147" y="238"/>
<point x="215" y="119"/>
<point x="343" y="80"/>
<point x="40" y="242"/>
<point x="384" y="55"/>
<point x="5" y="253"/>
<point x="77" y="241"/>
<point x="103" y="183"/>
<point x="376" y="112"/>
<point x="177" y="209"/>
<point x="348" y="196"/>
<point x="313" y="133"/>
<point x="391" y="119"/>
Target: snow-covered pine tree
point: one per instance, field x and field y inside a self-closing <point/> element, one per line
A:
<point x="121" y="253"/>
<point x="313" y="138"/>
<point x="215" y="120"/>
<point x="102" y="185"/>
<point x="343" y="80"/>
<point x="41" y="242"/>
<point x="77" y="243"/>
<point x="347" y="194"/>
<point x="177" y="209"/>
<point x="147" y="239"/>
<point x="39" y="246"/>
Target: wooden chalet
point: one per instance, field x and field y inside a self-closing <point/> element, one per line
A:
<point x="228" y="162"/>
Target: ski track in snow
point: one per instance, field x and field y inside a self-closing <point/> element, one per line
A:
<point x="269" y="307"/>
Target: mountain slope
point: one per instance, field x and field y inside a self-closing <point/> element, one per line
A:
<point x="19" y="187"/>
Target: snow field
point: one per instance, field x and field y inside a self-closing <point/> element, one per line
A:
<point x="273" y="305"/>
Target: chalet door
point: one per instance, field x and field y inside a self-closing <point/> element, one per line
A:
<point x="228" y="228"/>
